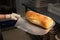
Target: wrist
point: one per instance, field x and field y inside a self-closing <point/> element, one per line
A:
<point x="8" y="16"/>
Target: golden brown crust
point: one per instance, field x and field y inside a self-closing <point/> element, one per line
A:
<point x="39" y="19"/>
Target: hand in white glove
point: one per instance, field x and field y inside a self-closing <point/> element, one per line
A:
<point x="12" y="16"/>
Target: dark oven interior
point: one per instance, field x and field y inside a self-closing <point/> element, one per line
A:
<point x="7" y="6"/>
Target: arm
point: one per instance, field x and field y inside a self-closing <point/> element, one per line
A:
<point x="2" y="16"/>
<point x="12" y="16"/>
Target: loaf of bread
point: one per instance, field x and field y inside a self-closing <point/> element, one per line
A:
<point x="39" y="19"/>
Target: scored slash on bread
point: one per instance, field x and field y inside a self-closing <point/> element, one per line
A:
<point x="39" y="19"/>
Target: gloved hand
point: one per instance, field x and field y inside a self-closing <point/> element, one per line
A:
<point x="12" y="16"/>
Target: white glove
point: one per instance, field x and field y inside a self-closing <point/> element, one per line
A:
<point x="12" y="16"/>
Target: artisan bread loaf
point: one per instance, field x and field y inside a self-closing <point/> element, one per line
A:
<point x="39" y="19"/>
